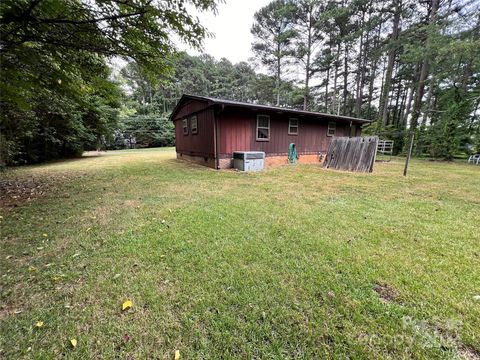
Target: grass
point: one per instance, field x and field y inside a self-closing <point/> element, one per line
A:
<point x="292" y="262"/>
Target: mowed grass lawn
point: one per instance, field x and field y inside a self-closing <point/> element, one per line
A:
<point x="292" y="262"/>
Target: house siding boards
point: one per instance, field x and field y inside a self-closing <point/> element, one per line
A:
<point x="201" y="143"/>
<point x="235" y="132"/>
<point x="189" y="107"/>
<point x="227" y="126"/>
<point x="237" y="129"/>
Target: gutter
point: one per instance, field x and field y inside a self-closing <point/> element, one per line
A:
<point x="215" y="137"/>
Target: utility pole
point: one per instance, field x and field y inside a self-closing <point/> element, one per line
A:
<point x="409" y="154"/>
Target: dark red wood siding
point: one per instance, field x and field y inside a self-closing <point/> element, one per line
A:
<point x="189" y="107"/>
<point x="202" y="143"/>
<point x="237" y="132"/>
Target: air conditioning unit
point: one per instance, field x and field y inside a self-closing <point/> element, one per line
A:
<point x="249" y="160"/>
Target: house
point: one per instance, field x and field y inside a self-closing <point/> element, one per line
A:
<point x="209" y="130"/>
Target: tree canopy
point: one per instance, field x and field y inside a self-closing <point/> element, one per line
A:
<point x="56" y="93"/>
<point x="413" y="67"/>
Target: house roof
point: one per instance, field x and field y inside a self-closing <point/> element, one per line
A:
<point x="215" y="101"/>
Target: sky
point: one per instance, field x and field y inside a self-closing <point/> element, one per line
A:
<point x="231" y="29"/>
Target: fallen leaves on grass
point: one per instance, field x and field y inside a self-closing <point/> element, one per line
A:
<point x="15" y="192"/>
<point x="127" y="304"/>
<point x="73" y="342"/>
<point x="39" y="324"/>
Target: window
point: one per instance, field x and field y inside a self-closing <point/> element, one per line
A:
<point x="292" y="126"/>
<point x="331" y="129"/>
<point x="193" y="124"/>
<point x="185" y="126"/>
<point x="263" y="127"/>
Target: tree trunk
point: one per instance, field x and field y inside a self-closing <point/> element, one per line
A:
<point x="410" y="96"/>
<point x="379" y="123"/>
<point x="397" y="103"/>
<point x="423" y="73"/>
<point x="335" y="77"/>
<point x="278" y="75"/>
<point x="307" y="66"/>
<point x="428" y="103"/>
<point x="326" y="89"/>
<point x="328" y="75"/>
<point x="401" y="109"/>
<point x="373" y="75"/>
<point x="383" y="107"/>
<point x="426" y="113"/>
<point x="345" y="79"/>
<point x="360" y="71"/>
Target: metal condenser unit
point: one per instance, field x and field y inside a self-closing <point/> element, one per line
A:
<point x="249" y="160"/>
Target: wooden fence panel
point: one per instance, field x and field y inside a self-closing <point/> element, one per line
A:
<point x="352" y="154"/>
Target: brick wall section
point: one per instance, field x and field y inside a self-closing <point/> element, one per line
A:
<point x="225" y="163"/>
<point x="303" y="159"/>
<point x="269" y="160"/>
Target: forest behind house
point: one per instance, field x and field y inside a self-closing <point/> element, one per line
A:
<point x="413" y="67"/>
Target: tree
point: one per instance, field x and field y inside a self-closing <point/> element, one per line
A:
<point x="432" y="16"/>
<point x="392" y="44"/>
<point x="53" y="61"/>
<point x="273" y="31"/>
<point x="308" y="37"/>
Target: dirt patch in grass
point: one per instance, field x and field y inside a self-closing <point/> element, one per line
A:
<point x="450" y="336"/>
<point x="102" y="214"/>
<point x="467" y="353"/>
<point x="8" y="310"/>
<point x="386" y="292"/>
<point x="131" y="203"/>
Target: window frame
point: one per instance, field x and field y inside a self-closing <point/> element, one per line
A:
<point x="294" y="126"/>
<point x="185" y="126"/>
<point x="196" y="124"/>
<point x="329" y="127"/>
<point x="262" y="127"/>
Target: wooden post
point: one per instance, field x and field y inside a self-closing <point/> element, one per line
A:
<point x="409" y="154"/>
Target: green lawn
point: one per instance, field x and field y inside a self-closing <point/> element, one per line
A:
<point x="292" y="262"/>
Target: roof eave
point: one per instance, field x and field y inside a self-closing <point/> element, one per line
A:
<point x="258" y="107"/>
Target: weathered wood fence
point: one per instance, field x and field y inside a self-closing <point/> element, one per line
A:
<point x="352" y="154"/>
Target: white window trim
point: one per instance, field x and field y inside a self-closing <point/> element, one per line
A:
<point x="196" y="125"/>
<point x="332" y="125"/>
<point x="185" y="126"/>
<point x="262" y="127"/>
<point x="295" y="126"/>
